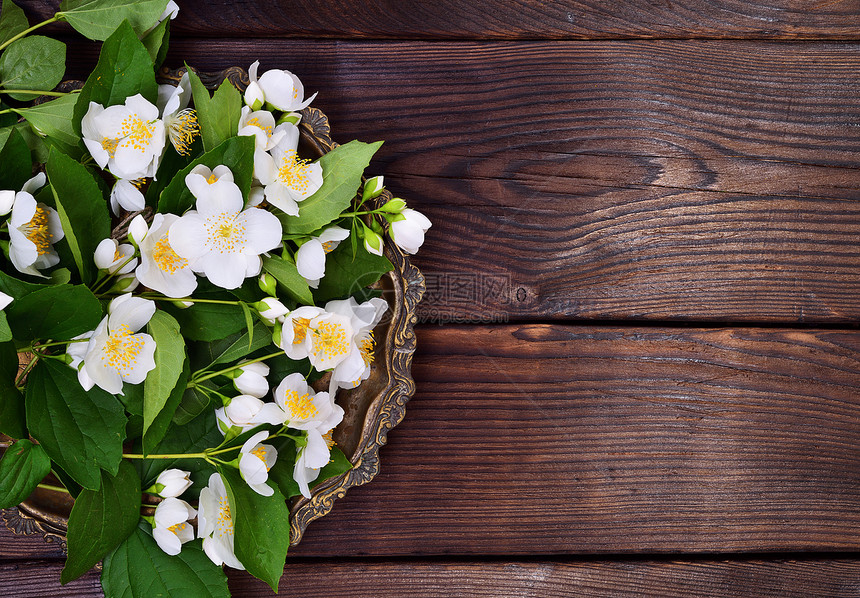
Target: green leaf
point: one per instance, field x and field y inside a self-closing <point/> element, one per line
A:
<point x="156" y="42"/>
<point x="82" y="431"/>
<point x="138" y="568"/>
<point x="237" y="153"/>
<point x="281" y="472"/>
<point x="208" y="321"/>
<point x="261" y="528"/>
<point x="243" y="346"/>
<point x="57" y="312"/>
<point x="37" y="145"/>
<point x="18" y="288"/>
<point x="249" y="322"/>
<point x="191" y="437"/>
<point x="169" y="360"/>
<point x="289" y="279"/>
<point x="345" y="275"/>
<point x="54" y="120"/>
<point x="34" y="62"/>
<point x="16" y="161"/>
<point x="342" y="169"/>
<point x="194" y="402"/>
<point x="123" y="70"/>
<point x="171" y="163"/>
<point x="156" y="431"/>
<point x="12" y="21"/>
<point x="218" y="115"/>
<point x="12" y="419"/>
<point x="101" y="519"/>
<point x="5" y="331"/>
<point x="82" y="209"/>
<point x="97" y="19"/>
<point x="22" y="467"/>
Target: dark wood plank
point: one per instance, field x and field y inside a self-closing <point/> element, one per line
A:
<point x="555" y="439"/>
<point x="834" y="578"/>
<point x="15" y="547"/>
<point x="616" y="180"/>
<point x="510" y="19"/>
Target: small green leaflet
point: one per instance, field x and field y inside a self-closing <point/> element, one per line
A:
<point x="34" y="62"/>
<point x="342" y="169"/>
<point x="156" y="42"/>
<point x="22" y="467"/>
<point x="261" y="528"/>
<point x="54" y="120"/>
<point x="138" y="568"/>
<point x="12" y="21"/>
<point x="101" y="519"/>
<point x="123" y="70"/>
<point x="82" y="209"/>
<point x="218" y="115"/>
<point x="82" y="431"/>
<point x="169" y="360"/>
<point x="346" y="274"/>
<point x="245" y="344"/>
<point x="12" y="422"/>
<point x="17" y="165"/>
<point x="97" y="19"/>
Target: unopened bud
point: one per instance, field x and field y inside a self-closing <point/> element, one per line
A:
<point x="373" y="188"/>
<point x="293" y="118"/>
<point x="372" y="242"/>
<point x="254" y="96"/>
<point x="125" y="284"/>
<point x="394" y="206"/>
<point x="267" y="283"/>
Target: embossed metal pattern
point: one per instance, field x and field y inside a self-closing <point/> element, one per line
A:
<point x="372" y="409"/>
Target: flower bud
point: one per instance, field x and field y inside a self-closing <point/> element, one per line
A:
<point x="137" y="230"/>
<point x="125" y="284"/>
<point x="183" y="304"/>
<point x="408" y="232"/>
<point x="276" y="336"/>
<point x="254" y="96"/>
<point x="7" y="199"/>
<point x="291" y="117"/>
<point x="105" y="254"/>
<point x="173" y="482"/>
<point x="251" y="379"/>
<point x="394" y="206"/>
<point x="242" y="409"/>
<point x="372" y="188"/>
<point x="372" y="242"/>
<point x="270" y="309"/>
<point x="267" y="283"/>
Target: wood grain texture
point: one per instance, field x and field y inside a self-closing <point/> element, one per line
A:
<point x="556" y="439"/>
<point x="618" y="180"/>
<point x="510" y="19"/>
<point x="14" y="547"/>
<point x="716" y="579"/>
<point x="41" y="579"/>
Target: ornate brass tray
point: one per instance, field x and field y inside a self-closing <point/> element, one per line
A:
<point x="371" y="410"/>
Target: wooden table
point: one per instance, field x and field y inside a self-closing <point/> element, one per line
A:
<point x="639" y="363"/>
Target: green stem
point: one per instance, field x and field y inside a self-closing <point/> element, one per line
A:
<point x="32" y="348"/>
<point x="113" y="274"/>
<point x="36" y="92"/>
<point x="362" y="213"/>
<point x="173" y="456"/>
<point x="188" y="299"/>
<point x="53" y="19"/>
<point x="19" y="381"/>
<point x="196" y="380"/>
<point x="53" y="488"/>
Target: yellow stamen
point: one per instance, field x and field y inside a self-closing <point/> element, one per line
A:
<point x="367" y="346"/>
<point x="260" y="452"/>
<point x="328" y="247"/>
<point x="139" y="183"/>
<point x="212" y="178"/>
<point x="182" y="128"/>
<point x="177" y="528"/>
<point x="122" y="349"/>
<point x="37" y="231"/>
<point x="137" y="132"/>
<point x="226" y="233"/>
<point x="109" y="145"/>
<point x="300" y="329"/>
<point x="330" y="341"/>
<point x="294" y="172"/>
<point x="329" y="441"/>
<point x="300" y="406"/>
<point x="165" y="258"/>
<point x="255" y="122"/>
<point x="224" y="522"/>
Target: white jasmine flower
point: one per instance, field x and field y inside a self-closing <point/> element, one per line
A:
<point x="115" y="354"/>
<point x="287" y="178"/>
<point x="408" y="233"/>
<point x="254" y="96"/>
<point x="201" y="178"/>
<point x="294" y="332"/>
<point x="252" y="379"/>
<point x="77" y="351"/>
<point x="127" y="139"/>
<point x="271" y="310"/>
<point x="171" y="529"/>
<point x="306" y="409"/>
<point x="255" y="461"/>
<point x="329" y="340"/>
<point x="310" y="459"/>
<point x="364" y="317"/>
<point x="245" y="412"/>
<point x="222" y="241"/>
<point x="215" y="524"/>
<point x="310" y="258"/>
<point x="283" y="90"/>
<point x="260" y="125"/>
<point x="115" y="258"/>
<point x="161" y="268"/>
<point x="33" y="230"/>
<point x="180" y="122"/>
<point x="126" y="194"/>
<point x="173" y="482"/>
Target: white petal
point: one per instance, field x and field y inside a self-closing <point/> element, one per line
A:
<point x="263" y="230"/>
<point x="35" y="183"/>
<point x="316" y="452"/>
<point x="144" y="363"/>
<point x="134" y="312"/>
<point x="104" y="253"/>
<point x="5" y="300"/>
<point x="167" y="541"/>
<point x="310" y="260"/>
<point x="188" y="237"/>
<point x="223" y="197"/>
<point x="224" y="270"/>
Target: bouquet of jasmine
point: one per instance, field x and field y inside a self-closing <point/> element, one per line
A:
<point x="181" y="301"/>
